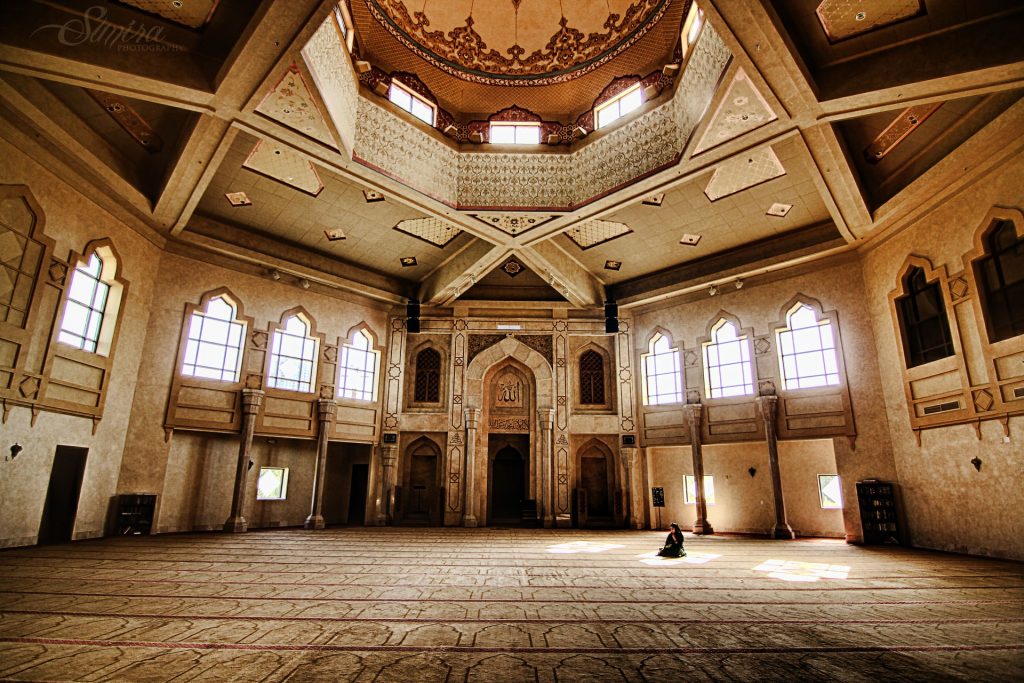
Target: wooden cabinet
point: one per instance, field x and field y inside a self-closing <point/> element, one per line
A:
<point x="879" y="514"/>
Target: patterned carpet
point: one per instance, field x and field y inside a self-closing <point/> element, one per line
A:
<point x="400" y="604"/>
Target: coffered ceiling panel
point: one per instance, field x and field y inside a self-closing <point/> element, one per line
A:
<point x="279" y="211"/>
<point x="191" y="13"/>
<point x="742" y="109"/>
<point x="290" y="102"/>
<point x="283" y="164"/>
<point x="741" y="218"/>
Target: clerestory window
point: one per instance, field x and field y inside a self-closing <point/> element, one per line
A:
<point x="1001" y="278"/>
<point x="625" y="102"/>
<point x="807" y="350"/>
<point x="293" y="356"/>
<point x="663" y="382"/>
<point x="214" y="346"/>
<point x="93" y="296"/>
<point x="727" y="370"/>
<point x="411" y="102"/>
<point x="358" y="368"/>
<point x="922" y="316"/>
<point x="513" y="133"/>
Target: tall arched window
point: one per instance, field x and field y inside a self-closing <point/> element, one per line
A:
<point x="591" y="378"/>
<point x="1001" y="277"/>
<point x="727" y="370"/>
<point x="358" y="368"/>
<point x="293" y="356"/>
<point x="807" y="350"/>
<point x="923" y="323"/>
<point x="428" y="377"/>
<point x="663" y="382"/>
<point x="214" y="346"/>
<point x="91" y="304"/>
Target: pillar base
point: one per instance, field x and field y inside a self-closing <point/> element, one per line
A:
<point x="236" y="525"/>
<point x="563" y="521"/>
<point x="469" y="520"/>
<point x="314" y="522"/>
<point x="783" y="532"/>
<point x="702" y="527"/>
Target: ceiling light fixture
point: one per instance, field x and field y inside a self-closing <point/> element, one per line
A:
<point x="304" y="283"/>
<point x="275" y="274"/>
<point x="738" y="284"/>
<point x="712" y="290"/>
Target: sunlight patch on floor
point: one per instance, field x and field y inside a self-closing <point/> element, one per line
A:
<point x="692" y="557"/>
<point x="791" y="570"/>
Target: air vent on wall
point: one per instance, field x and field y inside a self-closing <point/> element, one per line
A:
<point x="942" y="407"/>
<point x="1018" y="392"/>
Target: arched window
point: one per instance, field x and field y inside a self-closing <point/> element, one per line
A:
<point x="591" y="378"/>
<point x="663" y="382"/>
<point x="727" y="369"/>
<point x="214" y="346"/>
<point x="293" y="356"/>
<point x="428" y="377"/>
<point x="91" y="305"/>
<point x="922" y="315"/>
<point x="807" y="350"/>
<point x="358" y="368"/>
<point x="1001" y="277"/>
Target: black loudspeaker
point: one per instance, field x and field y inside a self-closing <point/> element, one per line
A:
<point x="611" y="317"/>
<point x="412" y="321"/>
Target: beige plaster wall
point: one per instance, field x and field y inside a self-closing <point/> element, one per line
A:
<point x="947" y="504"/>
<point x="153" y="463"/>
<point x="838" y="287"/>
<point x="744" y="503"/>
<point x="73" y="220"/>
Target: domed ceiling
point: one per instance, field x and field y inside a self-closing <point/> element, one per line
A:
<point x="549" y="56"/>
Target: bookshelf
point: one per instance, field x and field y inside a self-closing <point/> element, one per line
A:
<point x="879" y="515"/>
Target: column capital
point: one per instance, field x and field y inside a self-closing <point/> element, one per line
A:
<point x="388" y="455"/>
<point x="694" y="413"/>
<point x="628" y="454"/>
<point x="546" y="418"/>
<point x="326" y="408"/>
<point x="252" y="399"/>
<point x="472" y="418"/>
<point x="769" y="407"/>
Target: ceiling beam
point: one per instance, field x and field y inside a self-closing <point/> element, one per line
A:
<point x="461" y="272"/>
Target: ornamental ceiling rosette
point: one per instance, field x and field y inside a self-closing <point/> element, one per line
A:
<point x="518" y="42"/>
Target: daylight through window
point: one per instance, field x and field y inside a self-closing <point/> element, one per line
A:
<point x="515" y="133"/>
<point x="293" y="356"/>
<point x="358" y="368"/>
<point x="727" y="363"/>
<point x="830" y="492"/>
<point x="214" y="346"/>
<point x="807" y="350"/>
<point x="411" y="102"/>
<point x="620" y="105"/>
<point x="662" y="379"/>
<point x="87" y="300"/>
<point x="690" y="489"/>
<point x="272" y="483"/>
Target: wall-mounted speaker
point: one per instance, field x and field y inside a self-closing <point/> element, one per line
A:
<point x="412" y="317"/>
<point x="611" y="317"/>
<point x="628" y="440"/>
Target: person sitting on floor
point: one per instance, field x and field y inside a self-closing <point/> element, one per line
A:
<point x="673" y="542"/>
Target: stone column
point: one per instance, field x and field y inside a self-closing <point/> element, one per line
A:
<point x="546" y="504"/>
<point x="326" y="408"/>
<point x="388" y="458"/>
<point x="694" y="415"/>
<point x="252" y="399"/>
<point x="634" y="518"/>
<point x="469" y="474"/>
<point x="769" y="406"/>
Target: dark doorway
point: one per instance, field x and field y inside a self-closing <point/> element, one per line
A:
<point x="594" y="480"/>
<point x="422" y="497"/>
<point x="62" y="495"/>
<point x="508" y="478"/>
<point x="357" y="495"/>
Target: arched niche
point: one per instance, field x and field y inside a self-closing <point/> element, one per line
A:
<point x="422" y="465"/>
<point x="595" y="484"/>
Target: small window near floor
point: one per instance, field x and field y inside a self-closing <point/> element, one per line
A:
<point x="272" y="483"/>
<point x="690" y="489"/>
<point x="830" y="492"/>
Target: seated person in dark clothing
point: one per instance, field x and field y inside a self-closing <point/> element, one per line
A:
<point x="673" y="543"/>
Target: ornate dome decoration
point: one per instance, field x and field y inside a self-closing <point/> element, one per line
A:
<point x="518" y="42"/>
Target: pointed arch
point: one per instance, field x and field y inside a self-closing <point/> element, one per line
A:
<point x="214" y="352"/>
<point x="807" y="345"/>
<point x="90" y="305"/>
<point x="359" y="364"/>
<point x="727" y="355"/>
<point x="661" y="369"/>
<point x="593" y="378"/>
<point x="997" y="255"/>
<point x="292" y="364"/>
<point x="510" y="347"/>
<point x="920" y="303"/>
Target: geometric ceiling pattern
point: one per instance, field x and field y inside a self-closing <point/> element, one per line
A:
<point x="291" y="103"/>
<point x="744" y="171"/>
<point x="191" y="13"/>
<point x="741" y="110"/>
<point x="513" y="223"/>
<point x="843" y="19"/>
<point x="285" y="165"/>
<point x="594" y="232"/>
<point x="433" y="230"/>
